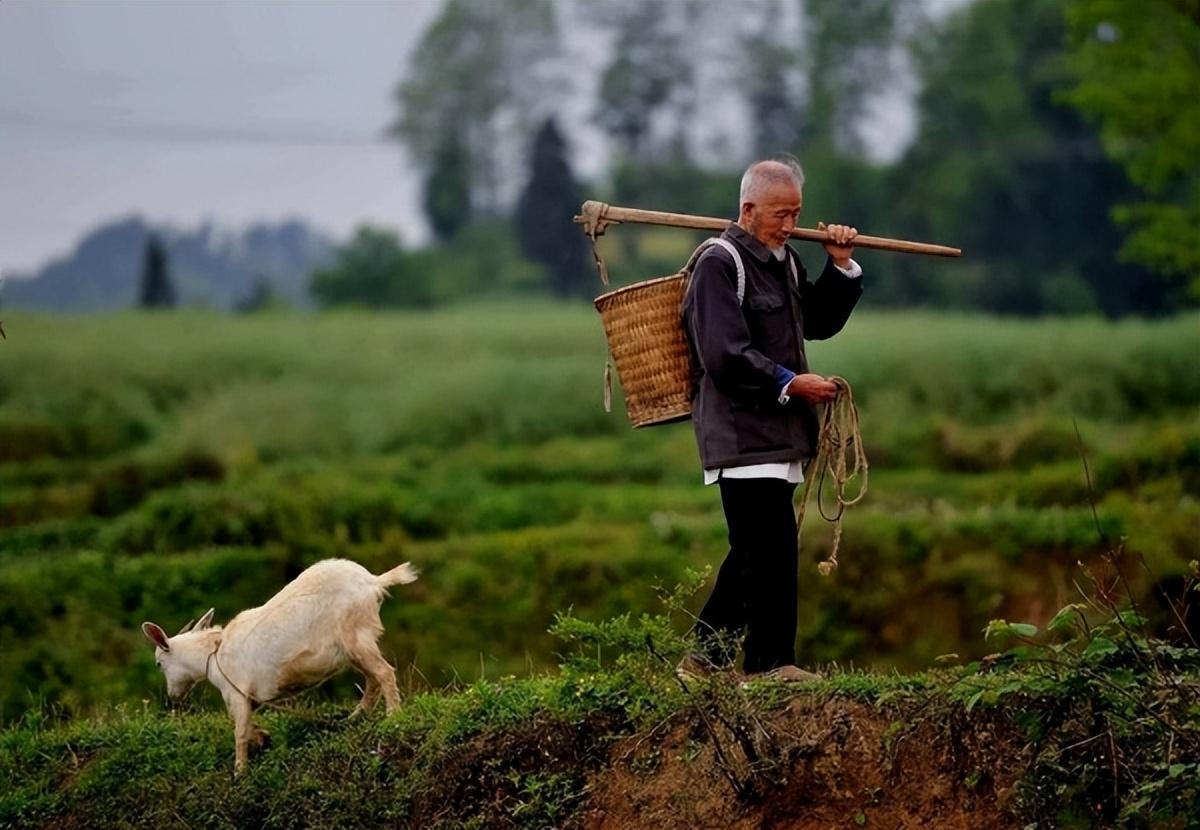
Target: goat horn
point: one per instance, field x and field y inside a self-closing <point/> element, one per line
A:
<point x="187" y="627"/>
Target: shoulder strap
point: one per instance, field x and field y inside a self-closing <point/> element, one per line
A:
<point x="733" y="252"/>
<point x="791" y="258"/>
<point x="737" y="261"/>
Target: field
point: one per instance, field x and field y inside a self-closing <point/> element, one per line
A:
<point x="152" y="466"/>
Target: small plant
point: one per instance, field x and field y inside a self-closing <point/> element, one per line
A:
<point x="1111" y="713"/>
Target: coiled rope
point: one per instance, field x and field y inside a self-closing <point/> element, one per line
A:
<point x="840" y="456"/>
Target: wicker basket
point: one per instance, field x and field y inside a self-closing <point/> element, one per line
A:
<point x="647" y="343"/>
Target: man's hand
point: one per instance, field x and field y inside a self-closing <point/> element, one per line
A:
<point x="841" y="243"/>
<point x="813" y="388"/>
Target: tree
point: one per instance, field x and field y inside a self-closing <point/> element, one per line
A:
<point x="648" y="76"/>
<point x="447" y="189"/>
<point x="263" y="296"/>
<point x="1136" y="69"/>
<point x="547" y="234"/>
<point x="480" y="80"/>
<point x="850" y="52"/>
<point x="1013" y="175"/>
<point x="156" y="290"/>
<point x="772" y="81"/>
<point x="373" y="270"/>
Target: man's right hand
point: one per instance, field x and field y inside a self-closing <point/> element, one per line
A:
<point x="813" y="388"/>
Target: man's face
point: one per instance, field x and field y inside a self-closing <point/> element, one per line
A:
<point x="772" y="216"/>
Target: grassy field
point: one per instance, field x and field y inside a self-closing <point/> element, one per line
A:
<point x="152" y="466"/>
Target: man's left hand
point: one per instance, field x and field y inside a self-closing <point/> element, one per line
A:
<point x="841" y="243"/>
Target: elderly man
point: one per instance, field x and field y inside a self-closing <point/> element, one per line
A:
<point x="747" y="312"/>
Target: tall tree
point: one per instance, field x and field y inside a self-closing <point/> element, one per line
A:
<point x="447" y="189"/>
<point x="850" y="51"/>
<point x="648" y="76"/>
<point x="547" y="234"/>
<point x="482" y="78"/>
<point x="155" y="289"/>
<point x="770" y="76"/>
<point x="1137" y="73"/>
<point x="1003" y="168"/>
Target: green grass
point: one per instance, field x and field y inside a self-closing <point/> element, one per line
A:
<point x="153" y="465"/>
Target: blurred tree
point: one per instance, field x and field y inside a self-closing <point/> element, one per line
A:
<point x="851" y="48"/>
<point x="1137" y="73"/>
<point x="648" y="74"/>
<point x="1004" y="169"/>
<point x="771" y="79"/>
<point x="545" y="228"/>
<point x="480" y="80"/>
<point x="374" y="271"/>
<point x="155" y="289"/>
<point x="262" y="297"/>
<point x="447" y="189"/>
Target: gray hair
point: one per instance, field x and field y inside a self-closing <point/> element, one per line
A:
<point x="768" y="172"/>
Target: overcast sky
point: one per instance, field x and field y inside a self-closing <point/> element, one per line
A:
<point x="227" y="110"/>
<point x="183" y="110"/>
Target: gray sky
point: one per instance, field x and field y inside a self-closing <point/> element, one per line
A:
<point x="183" y="111"/>
<point x="233" y="111"/>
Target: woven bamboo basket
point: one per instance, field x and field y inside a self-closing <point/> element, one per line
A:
<point x="645" y="337"/>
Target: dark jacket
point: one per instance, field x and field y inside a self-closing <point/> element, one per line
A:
<point x="735" y="350"/>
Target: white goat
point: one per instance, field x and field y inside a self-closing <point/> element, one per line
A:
<point x="322" y="621"/>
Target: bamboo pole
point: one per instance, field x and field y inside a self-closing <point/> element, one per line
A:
<point x="596" y="216"/>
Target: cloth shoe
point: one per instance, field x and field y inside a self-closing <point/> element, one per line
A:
<point x="784" y="674"/>
<point x="696" y="665"/>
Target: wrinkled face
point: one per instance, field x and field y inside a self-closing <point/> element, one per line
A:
<point x="180" y="677"/>
<point x="772" y="214"/>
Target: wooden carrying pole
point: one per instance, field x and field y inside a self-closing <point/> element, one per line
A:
<point x="597" y="216"/>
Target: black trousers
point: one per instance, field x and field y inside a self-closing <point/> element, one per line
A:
<point x="755" y="592"/>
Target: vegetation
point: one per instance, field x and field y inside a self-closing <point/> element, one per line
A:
<point x="1134" y="71"/>
<point x="154" y="466"/>
<point x="1096" y="728"/>
<point x="1034" y="118"/>
<point x="156" y="289"/>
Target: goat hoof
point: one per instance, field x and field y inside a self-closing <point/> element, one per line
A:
<point x="261" y="739"/>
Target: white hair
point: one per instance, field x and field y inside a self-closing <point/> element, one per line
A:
<point x="767" y="173"/>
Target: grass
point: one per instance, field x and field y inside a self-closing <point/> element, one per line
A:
<point x="152" y="466"/>
<point x="529" y="752"/>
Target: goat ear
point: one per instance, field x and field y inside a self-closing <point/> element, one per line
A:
<point x="186" y="628"/>
<point x="156" y="635"/>
<point x="206" y="620"/>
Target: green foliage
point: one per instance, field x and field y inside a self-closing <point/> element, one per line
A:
<point x="520" y="752"/>
<point x="544" y="224"/>
<point x="447" y="196"/>
<point x="1136" y="71"/>
<point x="1011" y="174"/>
<point x="156" y="289"/>
<point x="374" y="271"/>
<point x="1100" y="699"/>
<point x="190" y="460"/>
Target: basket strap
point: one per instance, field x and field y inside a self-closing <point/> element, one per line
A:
<point x="733" y="252"/>
<point x="737" y="261"/>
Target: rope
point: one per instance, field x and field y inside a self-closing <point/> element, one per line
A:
<point x="212" y="659"/>
<point x="840" y="455"/>
<point x="270" y="704"/>
<point x="594" y="225"/>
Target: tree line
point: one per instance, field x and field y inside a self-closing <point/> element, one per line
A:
<point x="1055" y="142"/>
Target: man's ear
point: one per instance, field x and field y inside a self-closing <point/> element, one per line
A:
<point x="156" y="635"/>
<point x="205" y="621"/>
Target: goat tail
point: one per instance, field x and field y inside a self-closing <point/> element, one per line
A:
<point x="399" y="575"/>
